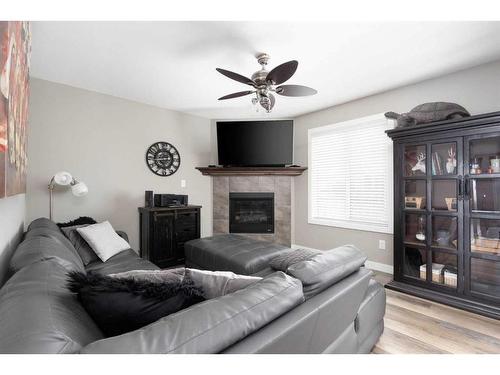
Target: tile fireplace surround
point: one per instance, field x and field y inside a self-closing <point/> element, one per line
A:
<point x="281" y="186"/>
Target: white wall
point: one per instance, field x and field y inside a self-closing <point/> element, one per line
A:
<point x="12" y="210"/>
<point x="102" y="140"/>
<point x="477" y="89"/>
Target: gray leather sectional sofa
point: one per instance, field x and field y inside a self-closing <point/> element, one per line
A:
<point x="39" y="315"/>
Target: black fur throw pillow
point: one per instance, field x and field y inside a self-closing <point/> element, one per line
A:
<point x="82" y="220"/>
<point x="120" y="305"/>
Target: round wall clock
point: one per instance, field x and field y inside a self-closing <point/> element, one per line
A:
<point x="163" y="159"/>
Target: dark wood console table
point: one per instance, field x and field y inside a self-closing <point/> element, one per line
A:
<point x="164" y="230"/>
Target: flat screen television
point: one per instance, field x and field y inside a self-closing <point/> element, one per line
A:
<point x="255" y="143"/>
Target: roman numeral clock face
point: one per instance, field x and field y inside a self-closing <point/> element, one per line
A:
<point x="163" y="159"/>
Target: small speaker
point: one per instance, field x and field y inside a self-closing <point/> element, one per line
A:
<point x="148" y="198"/>
<point x="170" y="200"/>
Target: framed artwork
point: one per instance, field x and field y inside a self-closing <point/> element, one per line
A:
<point x="15" y="48"/>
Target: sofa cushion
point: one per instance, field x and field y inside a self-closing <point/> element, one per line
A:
<point x="38" y="314"/>
<point x="285" y="260"/>
<point x="213" y="325"/>
<point x="326" y="268"/>
<point x="127" y="260"/>
<point x="231" y="252"/>
<point x="53" y="234"/>
<point x="120" y="305"/>
<point x="38" y="248"/>
<point x="43" y="222"/>
<point x="81" y="246"/>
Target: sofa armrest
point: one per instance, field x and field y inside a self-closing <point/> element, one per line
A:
<point x="122" y="234"/>
<point x="370" y="316"/>
<point x="327" y="268"/>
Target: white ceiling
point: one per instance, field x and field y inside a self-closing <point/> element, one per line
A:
<point x="172" y="64"/>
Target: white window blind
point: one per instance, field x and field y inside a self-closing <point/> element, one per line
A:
<point x="350" y="175"/>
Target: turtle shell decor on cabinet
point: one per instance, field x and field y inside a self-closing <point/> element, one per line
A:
<point x="163" y="159"/>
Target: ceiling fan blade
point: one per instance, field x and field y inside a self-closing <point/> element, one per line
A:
<point x="282" y="72"/>
<point x="235" y="95"/>
<point x="236" y="76"/>
<point x="295" y="90"/>
<point x="272" y="99"/>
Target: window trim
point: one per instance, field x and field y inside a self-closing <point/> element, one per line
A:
<point x="347" y="224"/>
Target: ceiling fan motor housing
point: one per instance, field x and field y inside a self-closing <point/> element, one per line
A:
<point x="259" y="77"/>
<point x="263" y="59"/>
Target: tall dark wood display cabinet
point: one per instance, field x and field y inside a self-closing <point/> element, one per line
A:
<point x="447" y="212"/>
<point x="164" y="230"/>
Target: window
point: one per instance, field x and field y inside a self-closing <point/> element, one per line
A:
<point x="350" y="175"/>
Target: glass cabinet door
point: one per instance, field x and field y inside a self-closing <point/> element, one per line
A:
<point x="485" y="277"/>
<point x="415" y="194"/>
<point x="415" y="230"/>
<point x="431" y="232"/>
<point x="484" y="195"/>
<point x="484" y="155"/>
<point x="414" y="226"/>
<point x="482" y="201"/>
<point x="485" y="236"/>
<point x="446" y="208"/>
<point x="444" y="160"/>
<point x="444" y="269"/>
<point x="415" y="160"/>
<point x="445" y="232"/>
<point x="415" y="263"/>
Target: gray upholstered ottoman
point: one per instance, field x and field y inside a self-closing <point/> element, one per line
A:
<point x="231" y="252"/>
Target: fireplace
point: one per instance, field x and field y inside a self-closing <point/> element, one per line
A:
<point x="267" y="186"/>
<point x="251" y="212"/>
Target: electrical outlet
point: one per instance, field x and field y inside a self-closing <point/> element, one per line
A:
<point x="183" y="183"/>
<point x="381" y="244"/>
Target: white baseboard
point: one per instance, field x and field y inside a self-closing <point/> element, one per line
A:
<point x="376" y="266"/>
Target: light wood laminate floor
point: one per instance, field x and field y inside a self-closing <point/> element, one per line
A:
<point x="417" y="326"/>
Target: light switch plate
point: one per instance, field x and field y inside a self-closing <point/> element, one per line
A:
<point x="183" y="183"/>
<point x="381" y="244"/>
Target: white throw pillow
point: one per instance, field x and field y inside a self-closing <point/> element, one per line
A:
<point x="103" y="239"/>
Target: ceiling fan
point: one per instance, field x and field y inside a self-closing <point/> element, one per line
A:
<point x="264" y="83"/>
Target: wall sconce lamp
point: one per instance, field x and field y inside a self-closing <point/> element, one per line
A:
<point x="78" y="188"/>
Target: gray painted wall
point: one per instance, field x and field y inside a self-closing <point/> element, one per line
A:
<point x="102" y="140"/>
<point x="12" y="211"/>
<point x="478" y="89"/>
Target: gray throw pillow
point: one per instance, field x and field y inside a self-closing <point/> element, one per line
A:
<point x="283" y="261"/>
<point x="219" y="283"/>
<point x="82" y="247"/>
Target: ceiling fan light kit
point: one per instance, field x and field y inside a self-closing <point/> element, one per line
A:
<point x="264" y="83"/>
